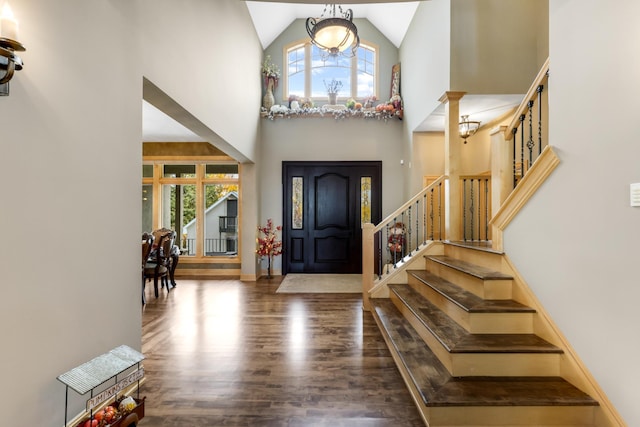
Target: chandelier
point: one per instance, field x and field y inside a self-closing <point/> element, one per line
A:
<point x="467" y="128"/>
<point x="335" y="34"/>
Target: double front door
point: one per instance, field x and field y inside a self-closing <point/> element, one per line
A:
<point x="325" y="204"/>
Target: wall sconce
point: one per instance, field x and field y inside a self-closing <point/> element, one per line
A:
<point x="9" y="61"/>
<point x="467" y="128"/>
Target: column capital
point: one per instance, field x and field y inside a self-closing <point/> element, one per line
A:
<point x="451" y="96"/>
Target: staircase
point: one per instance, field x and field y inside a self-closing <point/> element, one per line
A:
<point x="467" y="350"/>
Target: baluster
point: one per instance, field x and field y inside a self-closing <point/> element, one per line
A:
<point x="530" y="143"/>
<point x="424" y="216"/>
<point x="540" y="89"/>
<point x="378" y="259"/>
<point x="515" y="158"/>
<point x="479" y="209"/>
<point x="471" y="209"/>
<point x="464" y="209"/>
<point x="522" y="117"/>
<point x="486" y="209"/>
<point x="431" y="213"/>
<point x="404" y="242"/>
<point x="407" y="241"/>
<point x="417" y="224"/>
<point x="440" y="196"/>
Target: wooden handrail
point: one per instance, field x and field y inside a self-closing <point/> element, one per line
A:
<point x="543" y="74"/>
<point x="410" y="202"/>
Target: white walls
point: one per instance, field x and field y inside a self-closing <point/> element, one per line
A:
<point x="206" y="56"/>
<point x="427" y="158"/>
<point x="203" y="60"/>
<point x="387" y="55"/>
<point x="70" y="157"/>
<point x="425" y="59"/>
<point x="576" y="242"/>
<point x="494" y="45"/>
<point x="70" y="165"/>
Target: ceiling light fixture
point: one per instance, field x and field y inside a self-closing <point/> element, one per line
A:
<point x="9" y="61"/>
<point x="337" y="35"/>
<point x="467" y="128"/>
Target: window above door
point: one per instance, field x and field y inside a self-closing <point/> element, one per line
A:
<point x="307" y="68"/>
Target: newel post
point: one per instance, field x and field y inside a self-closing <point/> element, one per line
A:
<point x="501" y="167"/>
<point x="367" y="264"/>
<point x="452" y="165"/>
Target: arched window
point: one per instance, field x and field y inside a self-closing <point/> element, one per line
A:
<point x="308" y="68"/>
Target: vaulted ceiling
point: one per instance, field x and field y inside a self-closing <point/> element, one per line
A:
<point x="391" y="17"/>
<point x="270" y="18"/>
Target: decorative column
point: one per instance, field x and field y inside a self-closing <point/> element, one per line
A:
<point x="452" y="165"/>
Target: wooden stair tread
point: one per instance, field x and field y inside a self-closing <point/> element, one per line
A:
<point x="474" y="270"/>
<point x="466" y="300"/>
<point x="438" y="388"/>
<point x="456" y="339"/>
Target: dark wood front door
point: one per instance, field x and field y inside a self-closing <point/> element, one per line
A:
<point x="323" y="207"/>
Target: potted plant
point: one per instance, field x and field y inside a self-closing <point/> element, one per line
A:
<point x="268" y="243"/>
<point x="270" y="74"/>
<point x="333" y="88"/>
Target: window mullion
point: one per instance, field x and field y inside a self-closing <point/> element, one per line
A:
<point x="307" y="70"/>
<point x="354" y="77"/>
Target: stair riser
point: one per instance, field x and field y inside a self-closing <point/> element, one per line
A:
<point x="482" y="364"/>
<point x="489" y="260"/>
<point x="477" y="323"/>
<point x="505" y="364"/>
<point x="557" y="416"/>
<point x="501" y="323"/>
<point x="487" y="289"/>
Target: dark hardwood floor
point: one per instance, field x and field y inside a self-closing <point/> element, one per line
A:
<point x="232" y="353"/>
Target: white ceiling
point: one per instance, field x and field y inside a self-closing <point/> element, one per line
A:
<point x="391" y="17"/>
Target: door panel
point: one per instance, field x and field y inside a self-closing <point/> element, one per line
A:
<point x="322" y="230"/>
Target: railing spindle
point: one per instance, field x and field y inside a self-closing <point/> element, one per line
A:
<point x="539" y="90"/>
<point x="486" y="209"/>
<point x="515" y="161"/>
<point x="522" y="117"/>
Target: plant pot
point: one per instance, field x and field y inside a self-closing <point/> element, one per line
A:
<point x="333" y="97"/>
<point x="269" y="100"/>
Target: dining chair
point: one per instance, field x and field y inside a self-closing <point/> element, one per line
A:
<point x="147" y="244"/>
<point x="157" y="266"/>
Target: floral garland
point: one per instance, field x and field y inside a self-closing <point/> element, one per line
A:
<point x="281" y="111"/>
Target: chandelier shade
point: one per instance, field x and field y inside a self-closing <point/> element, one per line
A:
<point x="467" y="128"/>
<point x="336" y="35"/>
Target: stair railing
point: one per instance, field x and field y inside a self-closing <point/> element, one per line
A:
<point x="476" y="207"/>
<point x="401" y="234"/>
<point x="528" y="130"/>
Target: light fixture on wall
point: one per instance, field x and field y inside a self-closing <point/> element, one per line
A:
<point x="9" y="61"/>
<point x="467" y="128"/>
<point x="336" y="35"/>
